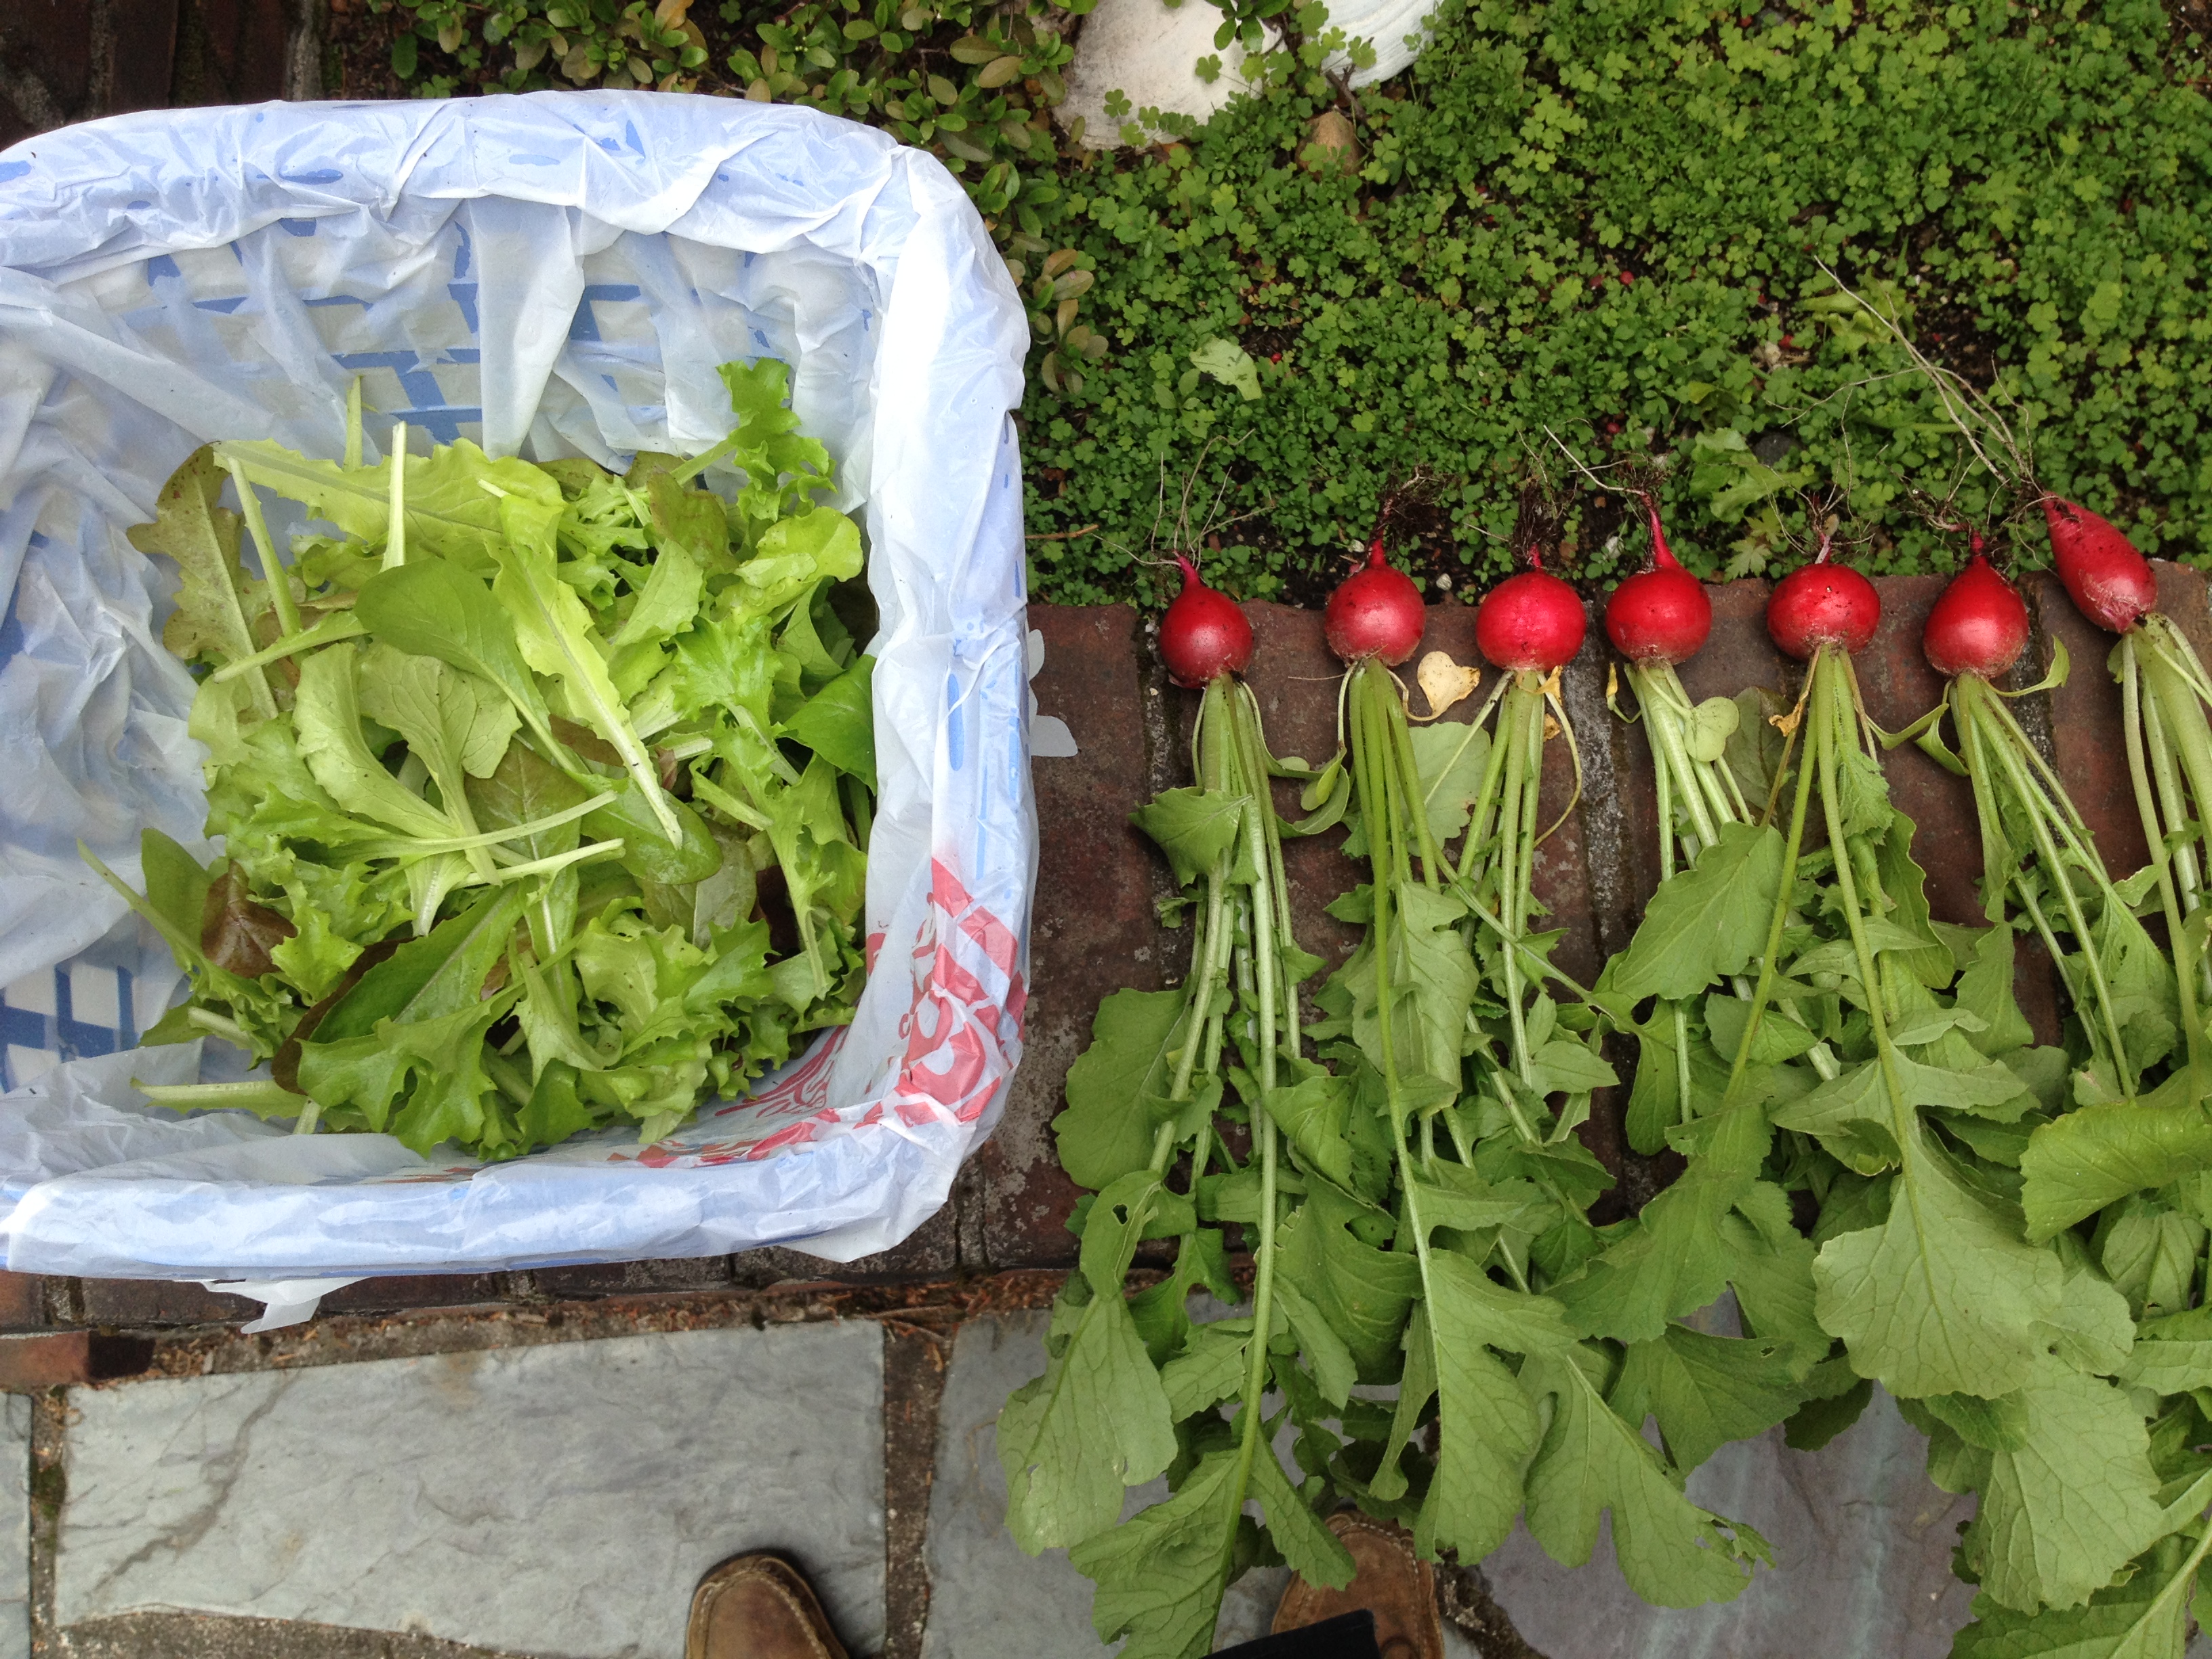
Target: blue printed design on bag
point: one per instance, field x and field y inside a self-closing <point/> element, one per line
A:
<point x="428" y="409"/>
<point x="70" y="1012"/>
<point x="586" y="323"/>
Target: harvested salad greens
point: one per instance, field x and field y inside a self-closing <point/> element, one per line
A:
<point x="544" y="793"/>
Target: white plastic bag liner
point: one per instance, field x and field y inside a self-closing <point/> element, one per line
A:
<point x="553" y="274"/>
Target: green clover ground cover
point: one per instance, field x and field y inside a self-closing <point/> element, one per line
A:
<point x="1606" y="217"/>
<point x="1603" y="216"/>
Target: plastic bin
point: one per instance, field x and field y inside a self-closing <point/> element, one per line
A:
<point x="558" y="274"/>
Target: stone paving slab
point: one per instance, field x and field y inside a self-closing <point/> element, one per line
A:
<point x="1861" y="1542"/>
<point x="989" y="1599"/>
<point x="14" y="1528"/>
<point x="559" y="1501"/>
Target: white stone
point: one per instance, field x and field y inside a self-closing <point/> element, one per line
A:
<point x="1861" y="1550"/>
<point x="1397" y="29"/>
<point x="987" y="1599"/>
<point x="14" y="1527"/>
<point x="555" y="1500"/>
<point x="1148" y="51"/>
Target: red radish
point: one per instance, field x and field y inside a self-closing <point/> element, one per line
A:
<point x="1663" y="614"/>
<point x="1376" y="613"/>
<point x="1822" y="603"/>
<point x="2108" y="580"/>
<point x="1533" y="620"/>
<point x="1203" y="634"/>
<point x="1979" y="623"/>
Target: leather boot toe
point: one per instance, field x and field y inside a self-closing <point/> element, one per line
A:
<point x="758" y="1607"/>
<point x="1389" y="1579"/>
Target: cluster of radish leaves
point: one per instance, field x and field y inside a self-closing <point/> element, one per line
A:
<point x="1413" y="1195"/>
<point x="1133" y="1388"/>
<point x="2007" y="1236"/>
<point x="1894" y="1082"/>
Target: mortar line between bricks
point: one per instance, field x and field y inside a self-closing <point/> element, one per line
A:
<point x="1164" y="766"/>
<point x="303" y="50"/>
<point x="355" y="1338"/>
<point x="99" y="49"/>
<point x="2033" y="713"/>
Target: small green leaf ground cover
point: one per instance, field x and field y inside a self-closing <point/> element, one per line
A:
<point x="1605" y="218"/>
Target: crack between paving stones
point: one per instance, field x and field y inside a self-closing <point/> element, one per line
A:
<point x="49" y="1491"/>
<point x="915" y="1358"/>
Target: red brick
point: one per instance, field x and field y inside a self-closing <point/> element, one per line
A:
<point x="2086" y="730"/>
<point x="63" y="70"/>
<point x="49" y="42"/>
<point x="1294" y="679"/>
<point x="137" y="1302"/>
<point x="932" y="1252"/>
<point x="231" y="51"/>
<point x="22" y="1302"/>
<point x="145" y="51"/>
<point x="403" y="1290"/>
<point x="28" y="1364"/>
<point x="1898" y="687"/>
<point x="1094" y="930"/>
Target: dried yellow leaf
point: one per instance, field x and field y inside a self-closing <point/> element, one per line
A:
<point x="1444" y="682"/>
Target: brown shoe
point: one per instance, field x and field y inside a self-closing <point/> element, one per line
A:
<point x="1387" y="1579"/>
<point x="758" y="1607"/>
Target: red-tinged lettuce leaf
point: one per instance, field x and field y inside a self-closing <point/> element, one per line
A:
<point x="237" y="934"/>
